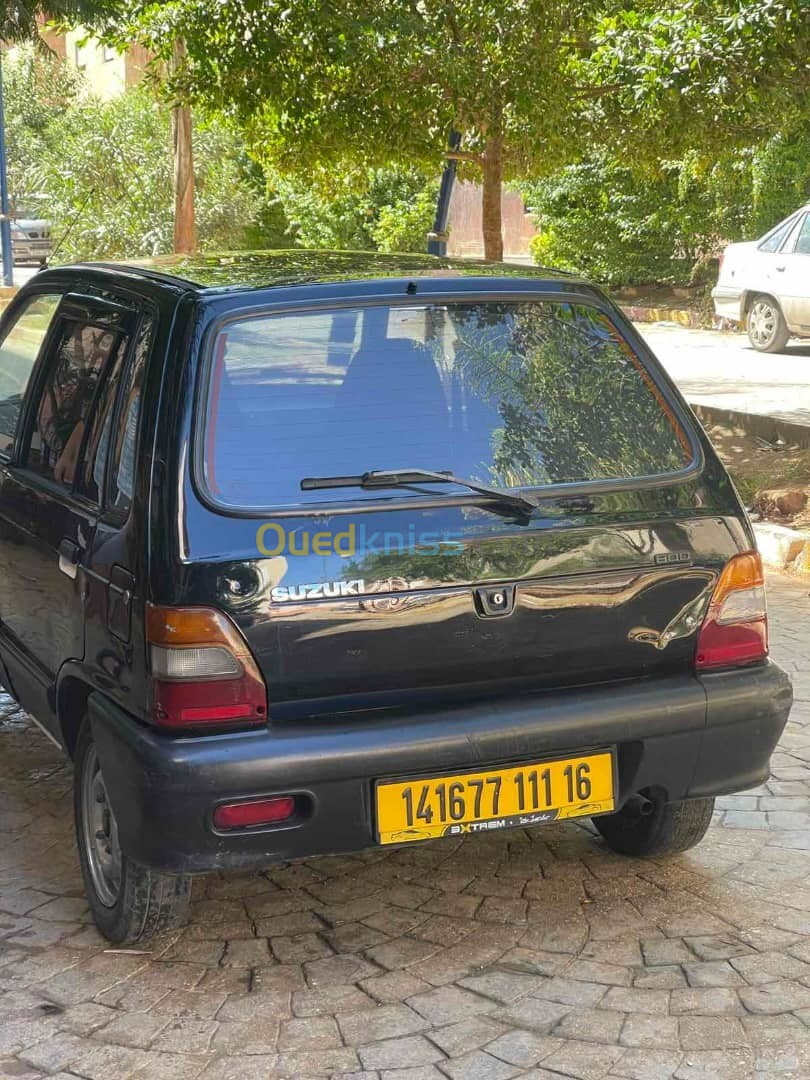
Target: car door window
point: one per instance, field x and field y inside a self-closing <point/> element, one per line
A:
<point x="79" y="356"/>
<point x="18" y="353"/>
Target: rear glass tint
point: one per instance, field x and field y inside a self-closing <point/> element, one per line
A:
<point x="513" y="394"/>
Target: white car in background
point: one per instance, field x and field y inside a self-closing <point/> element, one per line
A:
<point x="765" y="284"/>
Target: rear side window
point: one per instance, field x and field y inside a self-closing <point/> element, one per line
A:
<point x="803" y="238"/>
<point x="18" y="354"/>
<point x="122" y="480"/>
<point x="512" y="394"/>
<point x="777" y="237"/>
<point x="100" y="441"/>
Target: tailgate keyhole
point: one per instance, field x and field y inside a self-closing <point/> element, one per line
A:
<point x="495" y="600"/>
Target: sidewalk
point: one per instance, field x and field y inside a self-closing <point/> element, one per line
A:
<point x="722" y="372"/>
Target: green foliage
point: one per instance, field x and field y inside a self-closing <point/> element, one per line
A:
<point x="103" y="169"/>
<point x="710" y="75"/>
<point x="379" y="81"/>
<point x="37" y="92"/>
<point x="604" y="221"/>
<point x="628" y="226"/>
<point x="19" y="18"/>
<point x="780" y="178"/>
<point x="404" y="225"/>
<point x="386" y="209"/>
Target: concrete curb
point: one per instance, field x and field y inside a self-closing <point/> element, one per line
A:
<point x="769" y="428"/>
<point x="682" y="316"/>
<point x="783" y="548"/>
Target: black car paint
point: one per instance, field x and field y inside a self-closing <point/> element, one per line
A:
<point x="381" y="679"/>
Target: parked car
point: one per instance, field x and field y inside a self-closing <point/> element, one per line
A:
<point x="765" y="284"/>
<point x="30" y="241"/>
<point x="312" y="552"/>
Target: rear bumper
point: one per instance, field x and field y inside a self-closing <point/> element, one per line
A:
<point x="727" y="302"/>
<point x="690" y="736"/>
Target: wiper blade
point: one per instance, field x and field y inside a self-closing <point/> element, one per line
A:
<point x="385" y="478"/>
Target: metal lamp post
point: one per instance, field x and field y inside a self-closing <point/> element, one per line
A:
<point x="5" y="220"/>
<point x="437" y="237"/>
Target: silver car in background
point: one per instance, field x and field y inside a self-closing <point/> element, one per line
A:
<point x="30" y="240"/>
<point x="765" y="284"/>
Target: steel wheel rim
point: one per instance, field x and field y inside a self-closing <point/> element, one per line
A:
<point x="762" y="323"/>
<point x="100" y="832"/>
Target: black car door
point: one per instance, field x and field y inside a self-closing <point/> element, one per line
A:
<point x="48" y="519"/>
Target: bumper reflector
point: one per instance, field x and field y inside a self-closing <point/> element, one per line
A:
<point x="243" y="815"/>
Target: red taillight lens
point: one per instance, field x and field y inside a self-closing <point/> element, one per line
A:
<point x="735" y="630"/>
<point x="202" y="671"/>
<point x="242" y="815"/>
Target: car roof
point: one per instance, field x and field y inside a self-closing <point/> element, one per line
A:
<point x="246" y="270"/>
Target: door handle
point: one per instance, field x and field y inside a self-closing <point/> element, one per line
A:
<point x="69" y="557"/>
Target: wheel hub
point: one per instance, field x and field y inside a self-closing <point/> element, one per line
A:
<point x="762" y="323"/>
<point x="100" y="830"/>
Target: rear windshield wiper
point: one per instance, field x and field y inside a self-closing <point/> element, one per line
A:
<point x="385" y="478"/>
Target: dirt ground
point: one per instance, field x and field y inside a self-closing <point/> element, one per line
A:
<point x="757" y="466"/>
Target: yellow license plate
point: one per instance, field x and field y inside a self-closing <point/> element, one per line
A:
<point x="496" y="799"/>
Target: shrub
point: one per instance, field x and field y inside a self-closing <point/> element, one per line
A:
<point x="388" y="209"/>
<point x="599" y="219"/>
<point x="102" y="170"/>
<point x="625" y="227"/>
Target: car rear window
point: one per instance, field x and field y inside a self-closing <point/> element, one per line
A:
<point x="511" y="394"/>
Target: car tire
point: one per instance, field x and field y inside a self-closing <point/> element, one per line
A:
<point x="767" y="329"/>
<point x="129" y="902"/>
<point x="652" y="826"/>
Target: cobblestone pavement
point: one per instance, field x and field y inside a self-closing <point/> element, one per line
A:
<point x="531" y="954"/>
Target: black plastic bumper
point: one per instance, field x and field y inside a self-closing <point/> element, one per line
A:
<point x="687" y="735"/>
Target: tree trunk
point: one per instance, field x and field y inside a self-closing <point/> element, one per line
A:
<point x="492" y="168"/>
<point x="185" y="235"/>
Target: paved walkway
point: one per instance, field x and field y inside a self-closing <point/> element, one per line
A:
<point x="531" y="954"/>
<point x="723" y="370"/>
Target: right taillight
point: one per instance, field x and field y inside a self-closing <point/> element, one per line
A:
<point x="735" y="629"/>
<point x="202" y="672"/>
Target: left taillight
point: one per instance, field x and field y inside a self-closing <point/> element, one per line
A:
<point x="202" y="672"/>
<point x="735" y="629"/>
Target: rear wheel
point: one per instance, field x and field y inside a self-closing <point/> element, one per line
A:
<point x="767" y="329"/>
<point x="129" y="902"/>
<point x="648" y="825"/>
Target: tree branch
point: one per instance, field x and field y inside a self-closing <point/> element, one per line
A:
<point x="464" y="155"/>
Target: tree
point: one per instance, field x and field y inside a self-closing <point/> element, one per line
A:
<point x="103" y="171"/>
<point x="324" y="86"/>
<point x="701" y="75"/>
<point x="185" y="231"/>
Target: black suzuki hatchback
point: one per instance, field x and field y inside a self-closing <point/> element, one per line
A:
<point x="305" y="552"/>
